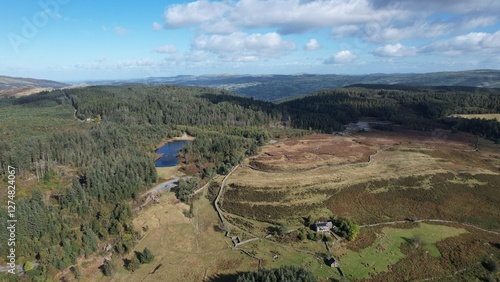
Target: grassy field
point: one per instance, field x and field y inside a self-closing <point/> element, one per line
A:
<point x="413" y="175"/>
<point x="481" y="116"/>
<point x="386" y="251"/>
<point x="185" y="249"/>
<point x="460" y="197"/>
<point x="422" y="172"/>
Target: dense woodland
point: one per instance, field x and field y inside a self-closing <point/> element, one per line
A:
<point x="419" y="108"/>
<point x="114" y="157"/>
<point x="111" y="149"/>
<point x="284" y="273"/>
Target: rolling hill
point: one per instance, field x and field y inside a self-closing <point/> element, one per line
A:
<point x="281" y="87"/>
<point x="19" y="86"/>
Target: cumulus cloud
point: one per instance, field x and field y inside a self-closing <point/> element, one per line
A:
<point x="374" y="20"/>
<point x="312" y="45"/>
<point x="421" y="29"/>
<point x="442" y="6"/>
<point x="157" y="26"/>
<point x="395" y="50"/>
<point x="474" y="42"/>
<point x="342" y="57"/>
<point x="224" y="29"/>
<point x="240" y="45"/>
<point x="181" y="15"/>
<point x="166" y="49"/>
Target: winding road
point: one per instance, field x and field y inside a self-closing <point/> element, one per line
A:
<point x="164" y="186"/>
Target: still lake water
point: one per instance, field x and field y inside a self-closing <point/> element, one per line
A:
<point x="170" y="151"/>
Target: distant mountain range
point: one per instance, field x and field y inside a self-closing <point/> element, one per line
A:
<point x="18" y="86"/>
<point x="279" y="87"/>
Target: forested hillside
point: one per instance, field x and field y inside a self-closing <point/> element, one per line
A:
<point x="420" y="108"/>
<point x="280" y="87"/>
<point x="110" y="149"/>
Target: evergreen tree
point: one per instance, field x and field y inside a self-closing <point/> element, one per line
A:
<point x="146" y="256"/>
<point x="282" y="274"/>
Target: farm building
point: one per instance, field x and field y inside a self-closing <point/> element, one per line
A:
<point x="332" y="262"/>
<point x="323" y="226"/>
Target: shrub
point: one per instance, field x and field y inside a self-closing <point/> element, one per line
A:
<point x="133" y="264"/>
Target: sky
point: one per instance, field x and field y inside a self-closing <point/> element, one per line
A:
<point x="76" y="40"/>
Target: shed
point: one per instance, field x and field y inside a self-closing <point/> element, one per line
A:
<point x="332" y="262"/>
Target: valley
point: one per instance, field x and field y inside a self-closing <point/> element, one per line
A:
<point x="250" y="141"/>
<point x="406" y="191"/>
<point x="403" y="183"/>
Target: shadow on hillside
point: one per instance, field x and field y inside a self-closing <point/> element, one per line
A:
<point x="245" y="102"/>
<point x="224" y="277"/>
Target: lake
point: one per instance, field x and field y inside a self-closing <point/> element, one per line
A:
<point x="169" y="153"/>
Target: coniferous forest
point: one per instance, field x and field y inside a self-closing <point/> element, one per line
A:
<point x="102" y="139"/>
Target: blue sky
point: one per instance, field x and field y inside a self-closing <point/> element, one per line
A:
<point x="70" y="40"/>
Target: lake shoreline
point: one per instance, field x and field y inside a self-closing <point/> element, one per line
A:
<point x="164" y="141"/>
<point x="169" y="150"/>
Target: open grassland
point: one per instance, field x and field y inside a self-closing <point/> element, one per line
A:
<point x="481" y="116"/>
<point x="386" y="249"/>
<point x="313" y="150"/>
<point x="426" y="178"/>
<point x="461" y="259"/>
<point x="409" y="175"/>
<point x="273" y="255"/>
<point x="464" y="198"/>
<point x="167" y="173"/>
<point x="185" y="249"/>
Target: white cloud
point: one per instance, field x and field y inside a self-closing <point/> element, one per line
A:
<point x="241" y="46"/>
<point x="395" y="50"/>
<point x="180" y="15"/>
<point x="157" y="26"/>
<point x="222" y="26"/>
<point x="442" y="6"/>
<point x="312" y="45"/>
<point x="166" y="49"/>
<point x="342" y="57"/>
<point x="226" y="30"/>
<point x="372" y="20"/>
<point x="471" y="43"/>
<point x="121" y="30"/>
<point x="423" y="28"/>
<point x="297" y="16"/>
